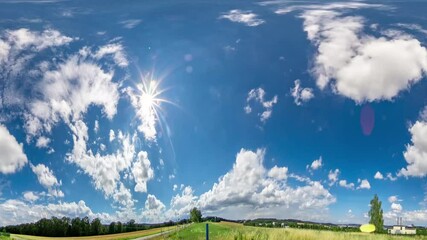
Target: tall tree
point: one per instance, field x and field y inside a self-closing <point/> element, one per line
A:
<point x="112" y="228"/>
<point x="119" y="227"/>
<point x="376" y="214"/>
<point x="96" y="226"/>
<point x="195" y="215"/>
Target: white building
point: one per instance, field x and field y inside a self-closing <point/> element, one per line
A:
<point x="400" y="229"/>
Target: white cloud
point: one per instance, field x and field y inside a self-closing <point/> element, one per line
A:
<point x="30" y="196"/>
<point x="130" y="23"/>
<point x="416" y="152"/>
<point x="123" y="196"/>
<point x="333" y="176"/>
<point x="278" y="173"/>
<point x="175" y="187"/>
<point x="247" y="190"/>
<point x="300" y="94"/>
<point x="112" y="135"/>
<point x="47" y="179"/>
<point x="393" y="199"/>
<point x="12" y="157"/>
<point x="246" y="17"/>
<point x="104" y="170"/>
<point x="24" y="38"/>
<point x="257" y="95"/>
<point x="378" y="175"/>
<point x="96" y="127"/>
<point x="316" y="164"/>
<point x="42" y="142"/>
<point x="114" y="49"/>
<point x="364" y="184"/>
<point x="344" y="184"/>
<point x="142" y="172"/>
<point x="154" y="209"/>
<point x="360" y="66"/>
<point x="329" y="6"/>
<point x="414" y="27"/>
<point x="417" y="217"/>
<point x="67" y="92"/>
<point x="390" y="177"/>
<point x="396" y="207"/>
<point x="17" y="48"/>
<point x="181" y="204"/>
<point x="16" y="211"/>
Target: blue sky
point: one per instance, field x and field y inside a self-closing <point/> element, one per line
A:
<point x="253" y="109"/>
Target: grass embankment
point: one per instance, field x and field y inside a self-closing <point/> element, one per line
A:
<point x="120" y="236"/>
<point x="233" y="231"/>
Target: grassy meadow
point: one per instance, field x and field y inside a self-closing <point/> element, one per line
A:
<point x="121" y="236"/>
<point x="234" y="231"/>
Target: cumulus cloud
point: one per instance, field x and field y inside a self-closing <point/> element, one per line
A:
<point x="333" y="176"/>
<point x="300" y="94"/>
<point x="396" y="207"/>
<point x="316" y="164"/>
<point x="105" y="170"/>
<point x="142" y="172"/>
<point x="364" y="184"/>
<point x="30" y="196"/>
<point x="357" y="65"/>
<point x="16" y="211"/>
<point x="258" y="96"/>
<point x="416" y="152"/>
<point x="42" y="142"/>
<point x="12" y="157"/>
<point x="378" y="175"/>
<point x="417" y="217"/>
<point x="112" y="135"/>
<point x="47" y="179"/>
<point x="344" y="184"/>
<point x="248" y="186"/>
<point x="153" y="209"/>
<point x="182" y="203"/>
<point x="278" y="173"/>
<point x="245" y="17"/>
<point x="393" y="199"/>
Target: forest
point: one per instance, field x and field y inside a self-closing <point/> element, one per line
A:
<point x="67" y="227"/>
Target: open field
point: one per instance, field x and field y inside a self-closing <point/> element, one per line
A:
<point x="233" y="231"/>
<point x="121" y="236"/>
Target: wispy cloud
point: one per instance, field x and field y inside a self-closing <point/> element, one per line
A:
<point x="130" y="23"/>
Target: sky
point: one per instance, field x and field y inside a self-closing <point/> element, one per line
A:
<point x="243" y="109"/>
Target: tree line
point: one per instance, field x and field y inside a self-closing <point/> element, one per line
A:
<point x="67" y="227"/>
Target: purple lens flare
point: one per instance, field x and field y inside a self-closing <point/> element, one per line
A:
<point x="367" y="119"/>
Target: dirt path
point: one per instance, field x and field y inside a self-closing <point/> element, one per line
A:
<point x="154" y="235"/>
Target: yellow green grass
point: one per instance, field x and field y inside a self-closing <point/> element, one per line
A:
<point x="233" y="231"/>
<point x="121" y="236"/>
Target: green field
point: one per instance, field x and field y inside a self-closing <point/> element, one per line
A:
<point x="233" y="231"/>
<point x="118" y="236"/>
